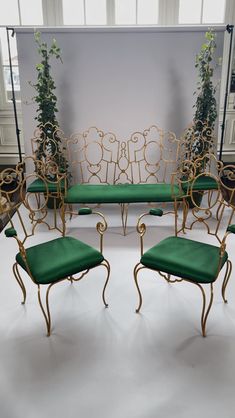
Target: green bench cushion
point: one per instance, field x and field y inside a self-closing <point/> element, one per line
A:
<point x="38" y="186"/>
<point x="185" y="258"/>
<point x="59" y="258"/>
<point x="202" y="183"/>
<point x="121" y="193"/>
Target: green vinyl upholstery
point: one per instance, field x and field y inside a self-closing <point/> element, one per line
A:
<point x="122" y="193"/>
<point x="185" y="258"/>
<point x="59" y="258"/>
<point x="38" y="186"/>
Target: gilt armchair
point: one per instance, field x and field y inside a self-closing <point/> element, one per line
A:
<point x="49" y="262"/>
<point x="179" y="258"/>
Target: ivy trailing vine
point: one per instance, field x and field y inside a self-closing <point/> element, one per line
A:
<point x="206" y="108"/>
<point x="199" y="137"/>
<point x="47" y="104"/>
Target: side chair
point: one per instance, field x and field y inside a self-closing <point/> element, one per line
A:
<point x="178" y="258"/>
<point x="54" y="261"/>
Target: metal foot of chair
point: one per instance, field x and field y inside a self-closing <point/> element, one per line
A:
<point x="137" y="268"/>
<point x="106" y="264"/>
<point x="226" y="279"/>
<point x="124" y="215"/>
<point x="46" y="313"/>
<point x="19" y="281"/>
<point x="205" y="312"/>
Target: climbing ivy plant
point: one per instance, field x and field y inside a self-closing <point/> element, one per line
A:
<point x="47" y="104"/>
<point x="205" y="105"/>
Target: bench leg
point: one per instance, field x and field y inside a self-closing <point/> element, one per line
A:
<point x="124" y="215"/>
<point x="176" y="205"/>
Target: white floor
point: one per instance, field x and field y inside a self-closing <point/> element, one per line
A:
<point x="114" y="363"/>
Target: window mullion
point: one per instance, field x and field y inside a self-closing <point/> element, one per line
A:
<point x="84" y="11"/>
<point x="175" y="20"/>
<point x="202" y="7"/>
<point x="168" y="12"/>
<point x="110" y="11"/>
<point x="58" y="12"/>
<point x="52" y="12"/>
<point x="45" y="12"/>
<point x="230" y="12"/>
<point x="162" y="12"/>
<point x="19" y="12"/>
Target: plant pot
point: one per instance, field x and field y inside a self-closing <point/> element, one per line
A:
<point x="53" y="202"/>
<point x="197" y="199"/>
<point x="227" y="188"/>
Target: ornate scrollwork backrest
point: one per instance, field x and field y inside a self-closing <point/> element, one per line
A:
<point x="211" y="194"/>
<point x="40" y="181"/>
<point x="12" y="195"/>
<point x="152" y="155"/>
<point x="227" y="183"/>
<point x="10" y="185"/>
<point x="49" y="144"/>
<point x="197" y="140"/>
<point x="187" y="170"/>
<point x="93" y="156"/>
<point x="46" y="171"/>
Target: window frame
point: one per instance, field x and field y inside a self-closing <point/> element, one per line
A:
<point x="52" y="10"/>
<point x="201" y="16"/>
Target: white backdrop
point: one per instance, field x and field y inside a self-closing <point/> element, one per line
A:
<point x="118" y="79"/>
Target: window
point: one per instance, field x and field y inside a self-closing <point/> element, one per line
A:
<point x="6" y="65"/>
<point x="9" y="15"/>
<point x="213" y="11"/>
<point x="88" y="12"/>
<point x="17" y="12"/>
<point x="125" y="12"/>
<point x="147" y="12"/>
<point x="98" y="12"/>
<point x="141" y="12"/>
<point x="201" y="11"/>
<point x="31" y="15"/>
<point x="73" y="12"/>
<point x="95" y="12"/>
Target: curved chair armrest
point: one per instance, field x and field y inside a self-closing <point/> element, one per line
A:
<point x="100" y="226"/>
<point x="141" y="227"/>
<point x="10" y="232"/>
<point x="152" y="212"/>
<point x="231" y="229"/>
<point x="155" y="212"/>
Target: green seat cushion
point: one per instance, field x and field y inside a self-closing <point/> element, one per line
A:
<point x="59" y="258"/>
<point x="202" y="183"/>
<point x="121" y="193"/>
<point x="185" y="258"/>
<point x="38" y="186"/>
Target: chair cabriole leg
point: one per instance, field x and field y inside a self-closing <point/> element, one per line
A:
<point x="226" y="279"/>
<point x="19" y="281"/>
<point x="46" y="313"/>
<point x="106" y="264"/>
<point x="137" y="268"/>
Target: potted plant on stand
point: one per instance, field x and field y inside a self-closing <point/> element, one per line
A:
<point x="198" y="139"/>
<point x="49" y="147"/>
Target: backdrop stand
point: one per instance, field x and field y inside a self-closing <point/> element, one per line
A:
<point x="13" y="92"/>
<point x="229" y="29"/>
